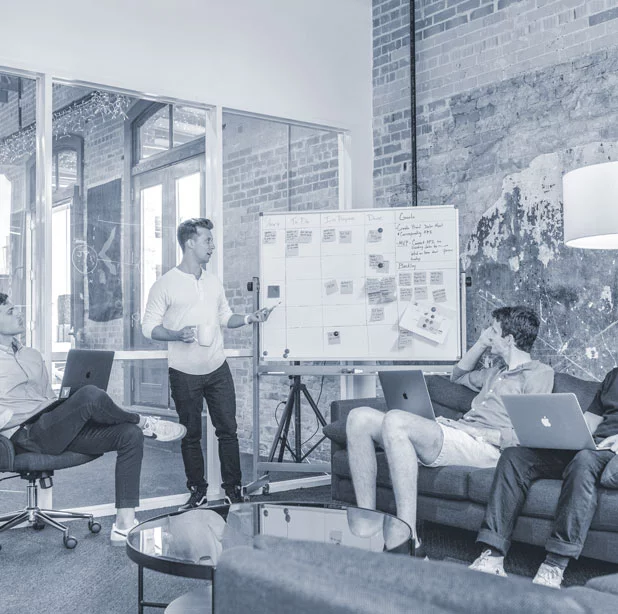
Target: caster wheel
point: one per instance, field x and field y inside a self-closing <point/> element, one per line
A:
<point x="38" y="526"/>
<point x="266" y="489"/>
<point x="94" y="526"/>
<point x="69" y="542"/>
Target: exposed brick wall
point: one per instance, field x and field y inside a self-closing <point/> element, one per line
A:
<point x="260" y="171"/>
<point x="509" y="96"/>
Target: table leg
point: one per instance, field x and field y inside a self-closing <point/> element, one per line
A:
<point x="141" y="603"/>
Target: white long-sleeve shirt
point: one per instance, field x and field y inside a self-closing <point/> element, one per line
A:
<point x="177" y="300"/>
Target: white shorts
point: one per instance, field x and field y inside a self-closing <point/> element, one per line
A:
<point x="461" y="448"/>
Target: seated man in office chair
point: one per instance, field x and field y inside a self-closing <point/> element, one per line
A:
<point x="88" y="422"/>
<point x="474" y="440"/>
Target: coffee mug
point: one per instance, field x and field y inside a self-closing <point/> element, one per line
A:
<point x="206" y="334"/>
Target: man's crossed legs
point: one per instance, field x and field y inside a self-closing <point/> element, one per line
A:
<point x="89" y="422"/>
<point x="407" y="439"/>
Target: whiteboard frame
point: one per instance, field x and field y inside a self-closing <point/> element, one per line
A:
<point x="359" y="359"/>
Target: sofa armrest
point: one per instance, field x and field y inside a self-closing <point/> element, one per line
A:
<point x="7" y="454"/>
<point x="339" y="410"/>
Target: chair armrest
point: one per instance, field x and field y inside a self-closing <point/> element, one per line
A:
<point x="7" y="454"/>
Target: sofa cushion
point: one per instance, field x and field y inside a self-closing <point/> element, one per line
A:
<point x="447" y="394"/>
<point x="609" y="478"/>
<point x="335" y="431"/>
<point x="584" y="389"/>
<point x="606" y="584"/>
<point x="446" y="482"/>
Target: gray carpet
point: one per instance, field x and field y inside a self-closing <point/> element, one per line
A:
<point x="38" y="574"/>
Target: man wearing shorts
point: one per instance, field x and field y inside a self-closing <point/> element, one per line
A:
<point x="474" y="440"/>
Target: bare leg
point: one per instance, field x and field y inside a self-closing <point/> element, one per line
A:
<point x="406" y="439"/>
<point x="364" y="431"/>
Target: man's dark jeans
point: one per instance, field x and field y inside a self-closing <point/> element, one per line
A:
<point x="518" y="468"/>
<point x="189" y="392"/>
<point x="89" y="422"/>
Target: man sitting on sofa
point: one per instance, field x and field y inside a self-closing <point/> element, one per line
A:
<point x="88" y="421"/>
<point x="474" y="440"/>
<point x="580" y="471"/>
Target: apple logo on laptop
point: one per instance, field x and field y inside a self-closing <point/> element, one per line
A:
<point x="545" y="421"/>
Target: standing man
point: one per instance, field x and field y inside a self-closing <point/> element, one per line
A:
<point x="474" y="440"/>
<point x="185" y="298"/>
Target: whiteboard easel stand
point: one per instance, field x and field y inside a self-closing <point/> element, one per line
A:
<point x="262" y="481"/>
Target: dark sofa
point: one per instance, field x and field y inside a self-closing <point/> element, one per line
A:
<point x="456" y="496"/>
<point x="279" y="576"/>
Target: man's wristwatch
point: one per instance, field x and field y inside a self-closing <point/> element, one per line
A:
<point x="247" y="319"/>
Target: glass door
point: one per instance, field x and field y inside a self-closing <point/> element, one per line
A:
<point x="163" y="199"/>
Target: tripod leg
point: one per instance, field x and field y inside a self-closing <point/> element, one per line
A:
<point x="316" y="410"/>
<point x="286" y="429"/>
<point x="297" y="422"/>
<point x="284" y="419"/>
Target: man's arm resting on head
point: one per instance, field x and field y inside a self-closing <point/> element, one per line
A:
<point x="464" y="372"/>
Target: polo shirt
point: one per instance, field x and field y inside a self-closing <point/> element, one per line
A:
<point x="487" y="411"/>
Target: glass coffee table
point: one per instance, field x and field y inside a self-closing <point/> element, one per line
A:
<point x="189" y="543"/>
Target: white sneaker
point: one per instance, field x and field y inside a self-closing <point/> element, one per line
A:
<point x="163" y="430"/>
<point x="549" y="575"/>
<point x="489" y="564"/>
<point x="118" y="537"/>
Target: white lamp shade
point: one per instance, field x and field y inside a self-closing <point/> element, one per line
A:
<point x="590" y="198"/>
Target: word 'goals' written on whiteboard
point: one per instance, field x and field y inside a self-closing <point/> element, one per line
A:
<point x="364" y="284"/>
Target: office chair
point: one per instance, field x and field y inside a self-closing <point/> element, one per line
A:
<point x="32" y="466"/>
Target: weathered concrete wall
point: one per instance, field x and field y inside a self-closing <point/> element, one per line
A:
<point x="510" y="96"/>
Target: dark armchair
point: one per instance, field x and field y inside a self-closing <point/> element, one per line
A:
<point x="31" y="466"/>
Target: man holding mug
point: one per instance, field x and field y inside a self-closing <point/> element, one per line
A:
<point x="187" y="307"/>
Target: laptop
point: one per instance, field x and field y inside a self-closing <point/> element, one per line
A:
<point x="554" y="421"/>
<point x="82" y="367"/>
<point x="86" y="367"/>
<point x="407" y="390"/>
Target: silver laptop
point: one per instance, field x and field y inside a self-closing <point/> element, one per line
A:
<point x="85" y="367"/>
<point x="554" y="421"/>
<point x="407" y="390"/>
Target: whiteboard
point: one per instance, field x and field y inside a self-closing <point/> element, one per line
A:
<point x="361" y="284"/>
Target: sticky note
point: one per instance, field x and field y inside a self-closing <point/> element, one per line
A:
<point x="405" y="294"/>
<point x="377" y="314"/>
<point x="420" y="278"/>
<point x="439" y="296"/>
<point x="291" y="236"/>
<point x="388" y="284"/>
<point x="374" y="298"/>
<point x="328" y="235"/>
<point x="375" y="260"/>
<point x="405" y="278"/>
<point x="373" y="236"/>
<point x="345" y="236"/>
<point x="291" y="249"/>
<point x="372" y="284"/>
<point x="386" y="296"/>
<point x="270" y="237"/>
<point x="331" y="286"/>
<point x="347" y="287"/>
<point x="274" y="292"/>
<point x="305" y="236"/>
<point x="420" y="293"/>
<point x="334" y="338"/>
<point x="405" y="338"/>
<point x="436" y="278"/>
